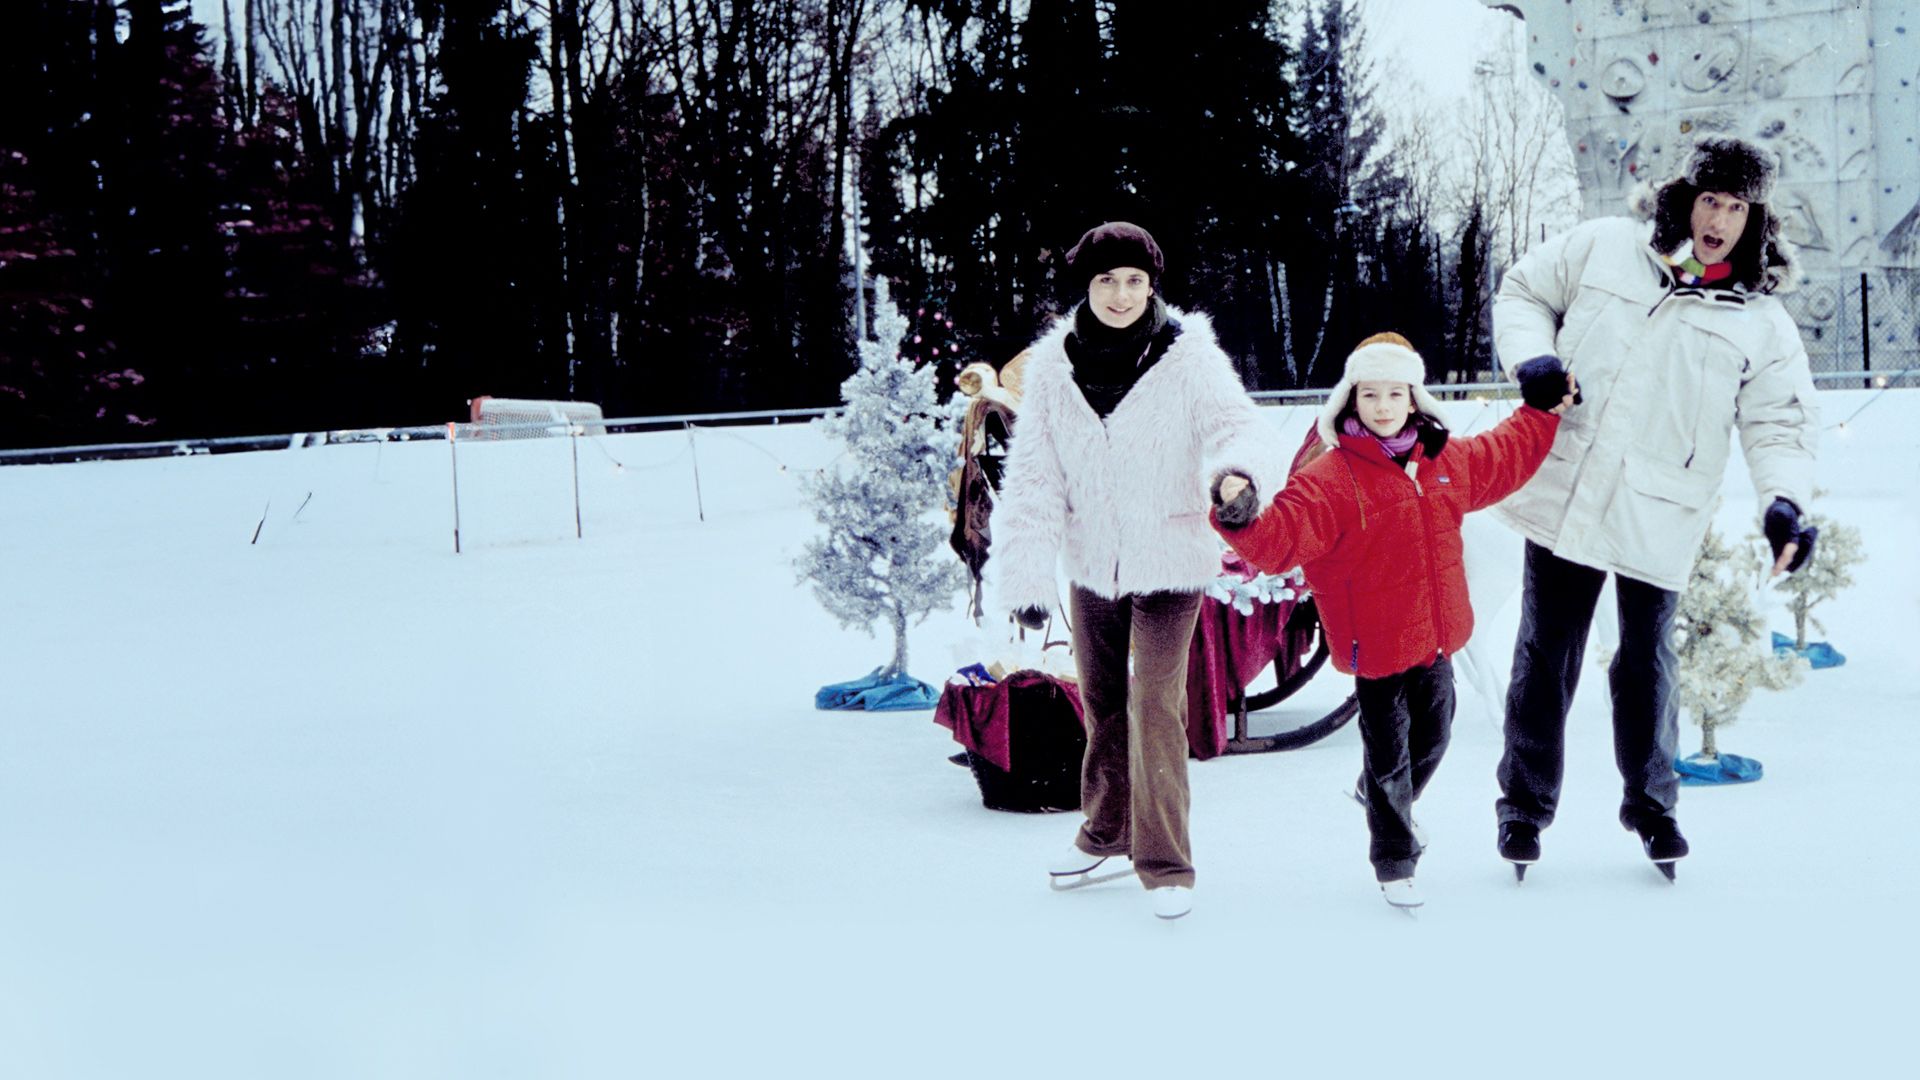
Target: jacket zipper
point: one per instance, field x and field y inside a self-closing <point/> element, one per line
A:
<point x="1426" y="528"/>
<point x="1666" y="279"/>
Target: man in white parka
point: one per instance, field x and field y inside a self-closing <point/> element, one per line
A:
<point x="1130" y="411"/>
<point x="1678" y="342"/>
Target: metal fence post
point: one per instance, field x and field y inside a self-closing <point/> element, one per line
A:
<point x="1866" y="334"/>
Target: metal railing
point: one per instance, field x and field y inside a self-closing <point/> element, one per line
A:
<point x="1881" y="379"/>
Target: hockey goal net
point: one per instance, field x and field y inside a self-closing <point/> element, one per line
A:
<point x="526" y="418"/>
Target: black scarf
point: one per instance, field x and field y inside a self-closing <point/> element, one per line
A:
<point x="1107" y="362"/>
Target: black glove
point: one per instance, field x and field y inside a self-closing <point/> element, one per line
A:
<point x="1783" y="526"/>
<point x="1543" y="382"/>
<point x="1033" y="618"/>
<point x="1238" y="512"/>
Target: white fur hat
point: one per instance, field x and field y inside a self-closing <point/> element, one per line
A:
<point x="1380" y="361"/>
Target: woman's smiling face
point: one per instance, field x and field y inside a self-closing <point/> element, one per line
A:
<point x="1119" y="296"/>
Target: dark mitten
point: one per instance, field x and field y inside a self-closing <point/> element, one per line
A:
<point x="1783" y="526"/>
<point x="1543" y="382"/>
<point x="1239" y="511"/>
<point x="1033" y="618"/>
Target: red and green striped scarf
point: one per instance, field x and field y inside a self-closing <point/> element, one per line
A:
<point x="1691" y="271"/>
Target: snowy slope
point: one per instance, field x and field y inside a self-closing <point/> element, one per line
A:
<point x="340" y="803"/>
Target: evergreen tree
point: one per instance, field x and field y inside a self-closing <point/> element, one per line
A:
<point x="884" y="555"/>
<point x="1205" y="129"/>
<point x="1469" y="339"/>
<point x="1718" y="631"/>
<point x="968" y="226"/>
<point x="468" y="264"/>
<point x="293" y="328"/>
<point x="56" y="371"/>
<point x="1343" y="191"/>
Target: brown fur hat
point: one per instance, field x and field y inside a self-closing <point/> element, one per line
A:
<point x="1762" y="260"/>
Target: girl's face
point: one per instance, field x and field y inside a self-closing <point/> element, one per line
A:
<point x="1718" y="221"/>
<point x="1383" y="406"/>
<point x="1119" y="296"/>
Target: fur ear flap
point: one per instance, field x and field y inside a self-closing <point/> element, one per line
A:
<point x="1643" y="199"/>
<point x="1672" y="216"/>
<point x="1781" y="272"/>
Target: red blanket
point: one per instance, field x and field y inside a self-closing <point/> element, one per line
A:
<point x="977" y="715"/>
<point x="1229" y="650"/>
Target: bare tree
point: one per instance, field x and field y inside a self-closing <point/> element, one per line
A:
<point x="1518" y="166"/>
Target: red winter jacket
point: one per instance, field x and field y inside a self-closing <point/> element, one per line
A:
<point x="1381" y="549"/>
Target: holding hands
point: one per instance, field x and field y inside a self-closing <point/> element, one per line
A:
<point x="1235" y="501"/>
<point x="1547" y="385"/>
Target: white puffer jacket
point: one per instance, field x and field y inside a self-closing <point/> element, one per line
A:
<point x="1125" y="500"/>
<point x="1667" y="376"/>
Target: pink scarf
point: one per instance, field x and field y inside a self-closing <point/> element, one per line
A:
<point x="1396" y="444"/>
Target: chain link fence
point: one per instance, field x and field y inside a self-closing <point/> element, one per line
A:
<point x="1866" y="322"/>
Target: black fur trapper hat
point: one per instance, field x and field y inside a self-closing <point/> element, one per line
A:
<point x="1762" y="260"/>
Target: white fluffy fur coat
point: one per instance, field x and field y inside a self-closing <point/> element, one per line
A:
<point x="1125" y="501"/>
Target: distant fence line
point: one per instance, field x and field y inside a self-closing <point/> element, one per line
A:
<point x="1906" y="377"/>
<point x="1867" y="321"/>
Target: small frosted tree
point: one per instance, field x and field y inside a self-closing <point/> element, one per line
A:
<point x="1830" y="570"/>
<point x="884" y="555"/>
<point x="1717" y="634"/>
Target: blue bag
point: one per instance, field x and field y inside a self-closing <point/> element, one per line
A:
<point x="1696" y="770"/>
<point x="1818" y="653"/>
<point x="871" y="693"/>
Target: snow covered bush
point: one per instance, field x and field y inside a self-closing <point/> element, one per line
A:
<point x="884" y="555"/>
<point x="1717" y="634"/>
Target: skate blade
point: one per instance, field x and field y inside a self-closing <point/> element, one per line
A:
<point x="1666" y="869"/>
<point x="1411" y="911"/>
<point x="1520" y="872"/>
<point x="1070" y="882"/>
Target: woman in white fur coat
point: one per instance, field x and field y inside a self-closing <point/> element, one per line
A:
<point x="1130" y="411"/>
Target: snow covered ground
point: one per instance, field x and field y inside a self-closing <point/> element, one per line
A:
<point x="340" y="803"/>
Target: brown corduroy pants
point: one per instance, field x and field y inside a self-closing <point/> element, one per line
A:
<point x="1133" y="782"/>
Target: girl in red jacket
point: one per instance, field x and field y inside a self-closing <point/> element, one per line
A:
<point x="1375" y="524"/>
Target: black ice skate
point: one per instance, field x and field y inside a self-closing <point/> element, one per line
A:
<point x="1664" y="845"/>
<point x="1519" y="845"/>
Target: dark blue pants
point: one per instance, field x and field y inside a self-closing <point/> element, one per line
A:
<point x="1556" y="610"/>
<point x="1405" y="723"/>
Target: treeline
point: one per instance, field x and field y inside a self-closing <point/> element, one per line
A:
<point x="336" y="213"/>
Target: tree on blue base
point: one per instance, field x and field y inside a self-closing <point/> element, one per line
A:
<point x="884" y="555"/>
<point x="1717" y="635"/>
<point x="1835" y="555"/>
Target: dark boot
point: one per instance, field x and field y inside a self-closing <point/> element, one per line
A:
<point x="1661" y="837"/>
<point x="1519" y="842"/>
